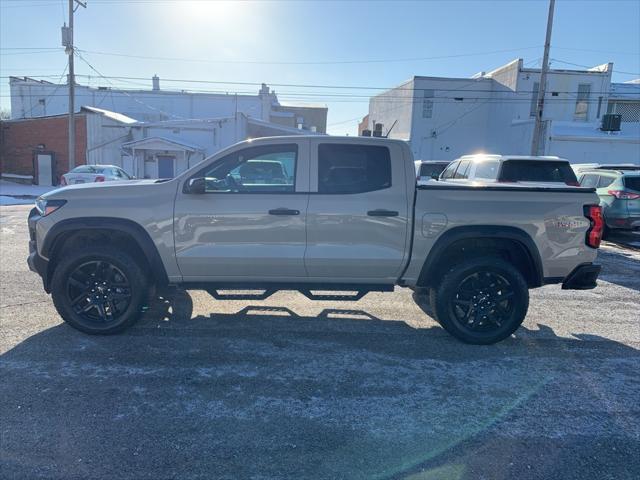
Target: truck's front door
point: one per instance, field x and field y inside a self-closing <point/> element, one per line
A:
<point x="358" y="214"/>
<point x="249" y="224"/>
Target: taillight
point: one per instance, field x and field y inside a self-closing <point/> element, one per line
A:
<point x="594" y="234"/>
<point x="99" y="178"/>
<point x="622" y="195"/>
<point x="63" y="181"/>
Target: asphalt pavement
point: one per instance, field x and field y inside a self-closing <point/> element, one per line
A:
<point x="290" y="388"/>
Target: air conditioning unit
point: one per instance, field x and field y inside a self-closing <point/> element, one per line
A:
<point x="611" y="122"/>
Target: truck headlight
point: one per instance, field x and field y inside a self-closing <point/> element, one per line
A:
<point x="46" y="207"/>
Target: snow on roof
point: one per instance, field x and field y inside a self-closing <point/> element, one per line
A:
<point x="118" y="117"/>
<point x="162" y="140"/>
<point x="302" y="104"/>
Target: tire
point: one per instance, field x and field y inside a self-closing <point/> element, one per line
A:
<point x="109" y="289"/>
<point x="481" y="301"/>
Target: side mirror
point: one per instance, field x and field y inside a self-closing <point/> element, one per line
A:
<point x="196" y="186"/>
<point x="435" y="176"/>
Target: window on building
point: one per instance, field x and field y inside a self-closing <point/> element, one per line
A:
<point x="629" y="110"/>
<point x="427" y="104"/>
<point x="353" y="168"/>
<point x="534" y="99"/>
<point x="267" y="169"/>
<point x="582" y="102"/>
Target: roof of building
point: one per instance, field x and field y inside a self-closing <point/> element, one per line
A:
<point x="118" y="117"/>
<point x="630" y="132"/>
<point x="146" y="142"/>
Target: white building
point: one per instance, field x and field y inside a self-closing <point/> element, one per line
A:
<point x="37" y="98"/>
<point x="166" y="148"/>
<point x="444" y="118"/>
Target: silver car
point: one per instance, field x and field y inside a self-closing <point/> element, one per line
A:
<point x="94" y="173"/>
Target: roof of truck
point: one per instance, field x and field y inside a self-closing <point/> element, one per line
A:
<point x="485" y="156"/>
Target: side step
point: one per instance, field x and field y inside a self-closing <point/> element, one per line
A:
<point x="320" y="292"/>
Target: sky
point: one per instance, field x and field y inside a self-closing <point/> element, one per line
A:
<point x="363" y="45"/>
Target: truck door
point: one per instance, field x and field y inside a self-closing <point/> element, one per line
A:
<point x="249" y="224"/>
<point x="358" y="213"/>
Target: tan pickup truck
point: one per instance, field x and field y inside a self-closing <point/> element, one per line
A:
<point x="314" y="213"/>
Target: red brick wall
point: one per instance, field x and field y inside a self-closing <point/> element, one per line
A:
<point x="19" y="140"/>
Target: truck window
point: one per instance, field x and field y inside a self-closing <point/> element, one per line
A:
<point x="589" y="180"/>
<point x="537" y="171"/>
<point x="487" y="170"/>
<point x="463" y="170"/>
<point x="267" y="169"/>
<point x="430" y="169"/>
<point x="449" y="171"/>
<point x="344" y="168"/>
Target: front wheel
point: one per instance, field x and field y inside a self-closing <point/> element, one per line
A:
<point x="99" y="290"/>
<point x="481" y="301"/>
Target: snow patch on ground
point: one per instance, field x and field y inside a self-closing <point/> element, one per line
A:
<point x="12" y="189"/>
<point x="5" y="200"/>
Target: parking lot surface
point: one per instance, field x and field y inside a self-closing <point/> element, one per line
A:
<point x="290" y="388"/>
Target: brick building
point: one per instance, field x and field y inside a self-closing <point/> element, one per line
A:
<point x="38" y="147"/>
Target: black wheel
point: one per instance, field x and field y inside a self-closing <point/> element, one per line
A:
<point x="481" y="301"/>
<point x="99" y="290"/>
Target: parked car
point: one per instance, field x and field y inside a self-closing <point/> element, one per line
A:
<point x="94" y="173"/>
<point x="619" y="192"/>
<point x="429" y="169"/>
<point x="578" y="168"/>
<point x="350" y="219"/>
<point x="511" y="169"/>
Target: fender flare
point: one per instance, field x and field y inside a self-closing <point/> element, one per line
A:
<point x="497" y="232"/>
<point x="131" y="228"/>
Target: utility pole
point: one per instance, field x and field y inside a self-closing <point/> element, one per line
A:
<point x="67" y="42"/>
<point x="538" y="130"/>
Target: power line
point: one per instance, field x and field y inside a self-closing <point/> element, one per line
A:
<point x="320" y="62"/>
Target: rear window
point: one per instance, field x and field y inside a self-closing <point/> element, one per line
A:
<point x="632" y="182"/>
<point x="537" y="171"/>
<point x="87" y="169"/>
<point x="431" y="169"/>
<point x="353" y="168"/>
<point x="589" y="181"/>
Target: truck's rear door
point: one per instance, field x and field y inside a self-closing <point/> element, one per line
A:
<point x="358" y="213"/>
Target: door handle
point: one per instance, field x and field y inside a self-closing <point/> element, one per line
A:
<point x="382" y="213"/>
<point x="284" y="211"/>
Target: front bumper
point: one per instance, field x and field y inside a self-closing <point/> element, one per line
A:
<point x="583" y="277"/>
<point x="36" y="263"/>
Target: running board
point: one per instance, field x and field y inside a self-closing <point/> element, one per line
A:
<point x="262" y="291"/>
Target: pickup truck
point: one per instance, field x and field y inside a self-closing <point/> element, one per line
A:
<point x="347" y="217"/>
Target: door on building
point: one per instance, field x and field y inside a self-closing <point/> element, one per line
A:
<point x="44" y="168"/>
<point x="250" y="222"/>
<point x="165" y="166"/>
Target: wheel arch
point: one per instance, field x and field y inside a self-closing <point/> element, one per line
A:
<point x="123" y="229"/>
<point x="462" y="242"/>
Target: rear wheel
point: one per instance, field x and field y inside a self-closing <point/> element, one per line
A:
<point x="99" y="290"/>
<point x="481" y="301"/>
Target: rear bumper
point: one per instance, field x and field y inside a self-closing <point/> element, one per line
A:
<point x="625" y="223"/>
<point x="583" y="277"/>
